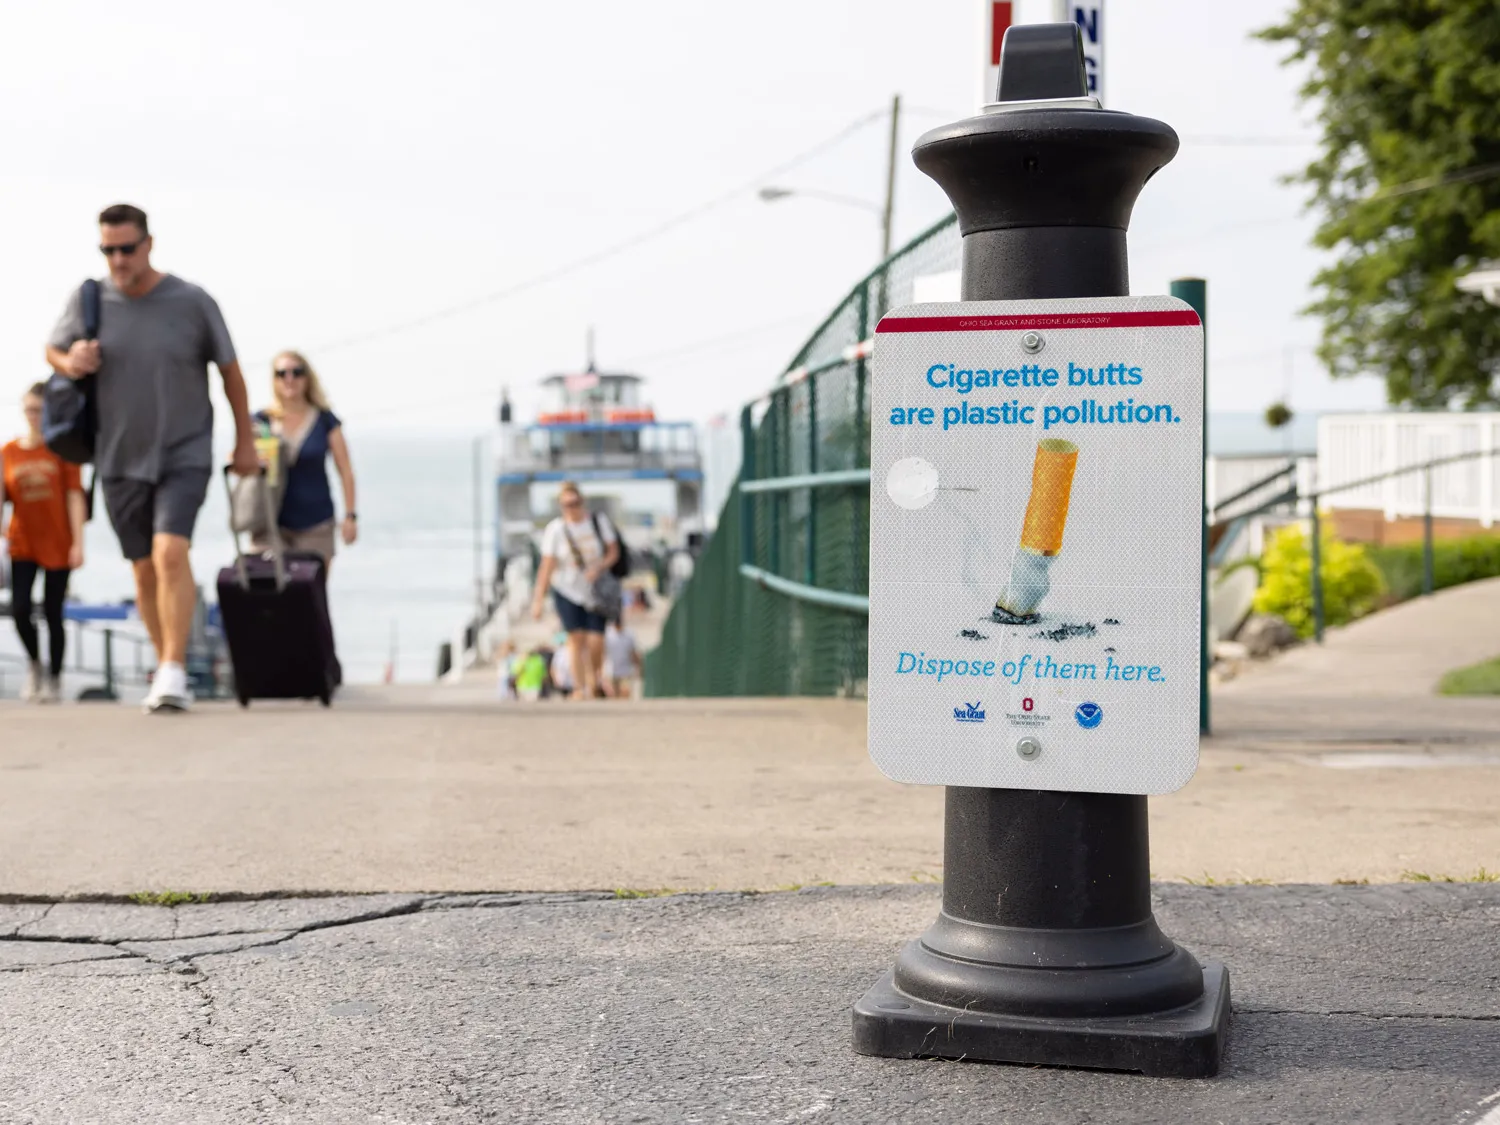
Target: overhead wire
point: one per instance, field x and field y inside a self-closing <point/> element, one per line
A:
<point x="613" y="250"/>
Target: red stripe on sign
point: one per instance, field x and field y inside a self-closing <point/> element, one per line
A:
<point x="1163" y="318"/>
<point x="999" y="21"/>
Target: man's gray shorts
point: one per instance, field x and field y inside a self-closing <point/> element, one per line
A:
<point x="139" y="510"/>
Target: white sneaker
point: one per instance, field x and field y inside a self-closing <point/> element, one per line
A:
<point x="51" y="690"/>
<point x="31" y="691"/>
<point x="169" y="690"/>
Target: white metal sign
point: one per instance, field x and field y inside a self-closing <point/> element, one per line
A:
<point x="1035" y="536"/>
<point x="1089" y="16"/>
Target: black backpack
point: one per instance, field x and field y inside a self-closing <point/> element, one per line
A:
<point x="621" y="565"/>
<point x="70" y="415"/>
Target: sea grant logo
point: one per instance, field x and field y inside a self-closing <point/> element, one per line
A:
<point x="969" y="713"/>
<point x="1089" y="715"/>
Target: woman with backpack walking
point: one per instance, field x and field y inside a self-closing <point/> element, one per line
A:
<point x="47" y="511"/>
<point x="579" y="554"/>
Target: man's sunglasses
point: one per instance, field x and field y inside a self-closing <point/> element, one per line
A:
<point x="290" y="372"/>
<point x="124" y="249"/>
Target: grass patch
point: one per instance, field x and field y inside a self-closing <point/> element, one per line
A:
<point x="1477" y="679"/>
<point x="1480" y="876"/>
<point x="167" y="898"/>
<point x="1209" y="881"/>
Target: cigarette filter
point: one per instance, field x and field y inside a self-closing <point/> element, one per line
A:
<point x="1051" y="488"/>
<point x="1041" y="532"/>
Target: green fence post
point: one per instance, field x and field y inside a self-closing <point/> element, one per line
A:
<point x="811" y="568"/>
<point x="747" y="499"/>
<point x="1194" y="290"/>
<point x="861" y="415"/>
<point x="1317" y="572"/>
<point x="775" y="416"/>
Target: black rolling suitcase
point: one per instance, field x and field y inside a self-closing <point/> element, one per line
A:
<point x="275" y="613"/>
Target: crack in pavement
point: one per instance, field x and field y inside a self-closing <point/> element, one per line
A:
<point x="1330" y="1012"/>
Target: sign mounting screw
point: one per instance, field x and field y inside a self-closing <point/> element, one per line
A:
<point x="1032" y="342"/>
<point x="1029" y="749"/>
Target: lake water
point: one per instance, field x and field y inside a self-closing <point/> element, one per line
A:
<point x="412" y="571"/>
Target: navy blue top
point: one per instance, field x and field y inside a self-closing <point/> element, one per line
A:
<point x="307" y="500"/>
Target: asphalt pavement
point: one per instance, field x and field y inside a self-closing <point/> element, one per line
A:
<point x="1352" y="1004"/>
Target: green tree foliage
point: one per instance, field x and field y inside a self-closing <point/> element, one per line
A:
<point x="1407" y="186"/>
<point x="1351" y="584"/>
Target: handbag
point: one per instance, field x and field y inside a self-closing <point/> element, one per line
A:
<point x="70" y="411"/>
<point x="252" y="499"/>
<point x="606" y="592"/>
<point x="70" y="419"/>
<point x="621" y="566"/>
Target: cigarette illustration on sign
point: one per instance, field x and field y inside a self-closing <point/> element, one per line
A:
<point x="1041" y="533"/>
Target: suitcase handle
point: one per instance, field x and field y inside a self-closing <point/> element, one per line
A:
<point x="273" y="532"/>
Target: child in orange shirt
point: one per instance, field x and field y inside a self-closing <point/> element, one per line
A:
<point x="46" y="534"/>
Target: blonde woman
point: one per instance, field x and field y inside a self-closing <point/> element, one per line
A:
<point x="310" y="432"/>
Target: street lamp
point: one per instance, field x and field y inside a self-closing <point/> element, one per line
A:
<point x="885" y="210"/>
<point x="1485" y="281"/>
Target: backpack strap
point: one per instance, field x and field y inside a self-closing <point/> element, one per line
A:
<point x="572" y="546"/>
<point x="88" y="302"/>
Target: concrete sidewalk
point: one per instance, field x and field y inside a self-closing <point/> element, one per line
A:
<point x="1397" y="654"/>
<point x="442" y="789"/>
<point x="1352" y="1004"/>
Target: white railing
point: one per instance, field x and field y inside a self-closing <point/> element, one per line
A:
<point x="1228" y="476"/>
<point x="1352" y="447"/>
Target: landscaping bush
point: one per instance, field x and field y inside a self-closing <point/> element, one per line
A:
<point x="1352" y="586"/>
<point x="1454" y="562"/>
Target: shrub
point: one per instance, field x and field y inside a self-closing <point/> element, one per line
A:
<point x="1454" y="562"/>
<point x="1351" y="583"/>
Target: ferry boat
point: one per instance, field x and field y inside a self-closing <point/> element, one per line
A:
<point x="595" y="428"/>
<point x="643" y="471"/>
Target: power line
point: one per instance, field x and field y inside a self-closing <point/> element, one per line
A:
<point x="1465" y="176"/>
<point x="1226" y="140"/>
<point x="478" y="395"/>
<point x="611" y="251"/>
<point x="1229" y="141"/>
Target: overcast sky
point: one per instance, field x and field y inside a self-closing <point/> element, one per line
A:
<point x="329" y="170"/>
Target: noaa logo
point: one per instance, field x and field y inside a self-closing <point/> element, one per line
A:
<point x="1089" y="715"/>
<point x="969" y="713"/>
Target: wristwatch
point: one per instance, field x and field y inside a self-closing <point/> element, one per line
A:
<point x="351" y="516"/>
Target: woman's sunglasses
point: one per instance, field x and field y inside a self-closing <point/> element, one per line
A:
<point x="290" y="372"/>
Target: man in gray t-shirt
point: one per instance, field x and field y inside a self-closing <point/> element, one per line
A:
<point x="154" y="449"/>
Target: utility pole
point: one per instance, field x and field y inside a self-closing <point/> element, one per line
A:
<point x="890" y="180"/>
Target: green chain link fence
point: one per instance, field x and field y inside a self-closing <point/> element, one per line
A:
<point x="778" y="603"/>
